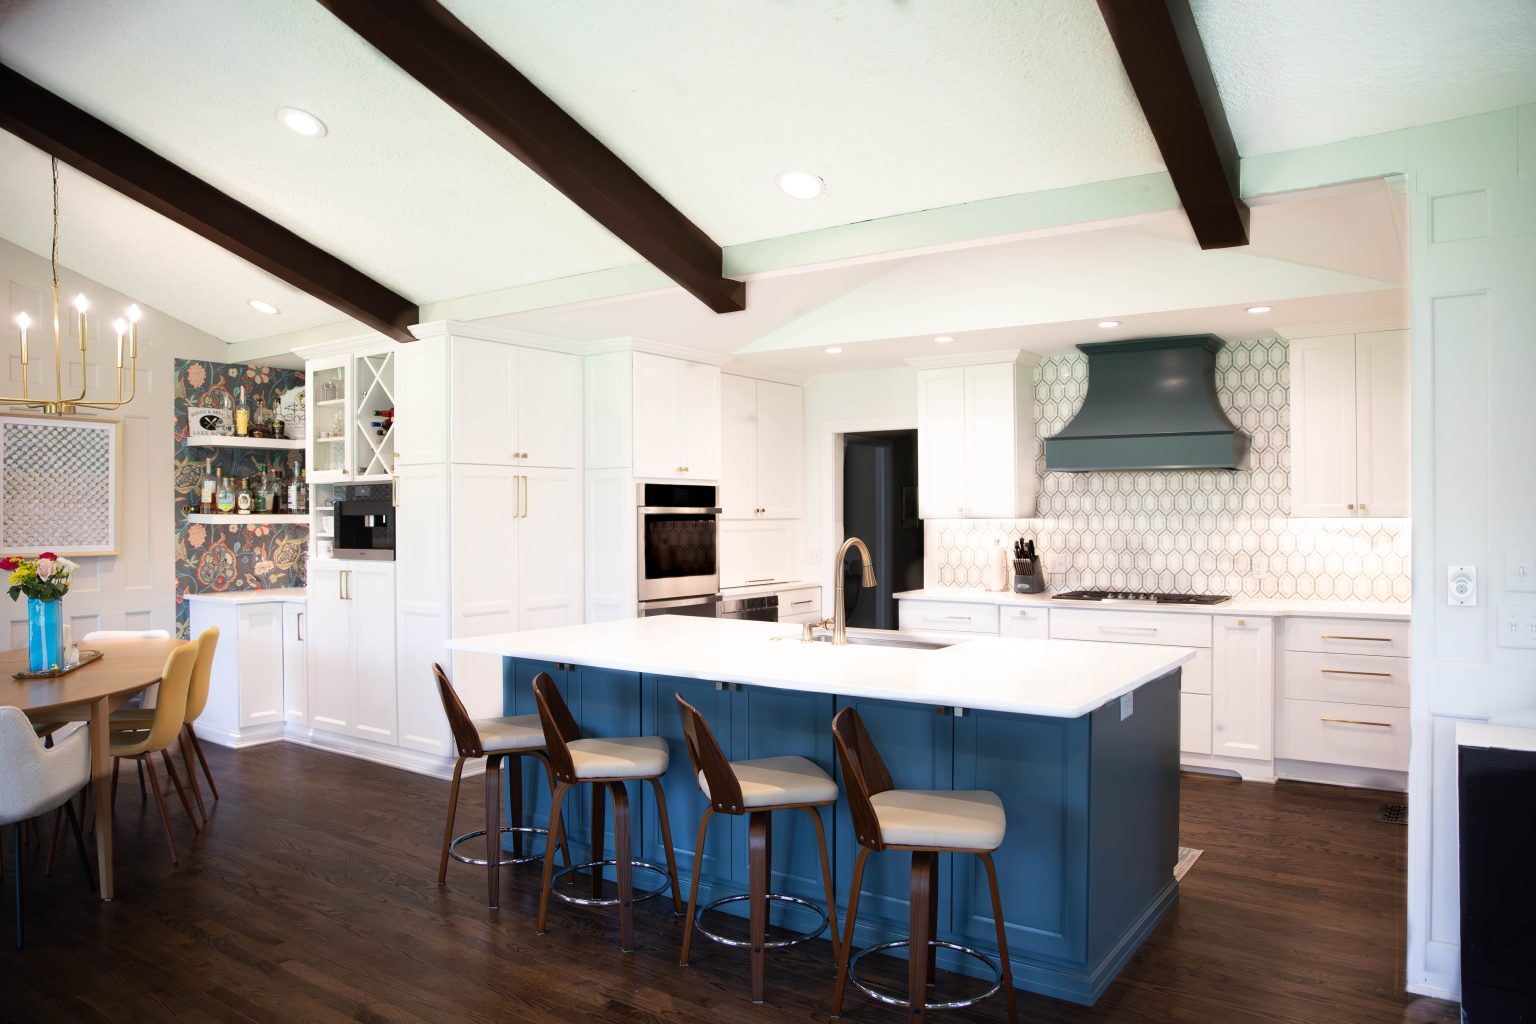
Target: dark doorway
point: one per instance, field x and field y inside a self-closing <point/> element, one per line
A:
<point x="880" y="508"/>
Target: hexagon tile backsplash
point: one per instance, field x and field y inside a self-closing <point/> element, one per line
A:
<point x="1197" y="531"/>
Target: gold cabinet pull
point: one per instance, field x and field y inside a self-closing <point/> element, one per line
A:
<point x="1369" y="639"/>
<point x="1354" y="672"/>
<point x="298" y="627"/>
<point x="1127" y="629"/>
<point x="1357" y="721"/>
<point x="525" y="497"/>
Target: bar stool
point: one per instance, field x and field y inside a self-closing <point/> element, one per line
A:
<point x="927" y="822"/>
<point x="756" y="788"/>
<point x="604" y="764"/>
<point x="496" y="740"/>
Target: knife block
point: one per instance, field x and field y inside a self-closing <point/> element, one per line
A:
<point x="1028" y="576"/>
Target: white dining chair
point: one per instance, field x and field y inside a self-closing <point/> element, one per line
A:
<point x="35" y="779"/>
<point x="118" y="634"/>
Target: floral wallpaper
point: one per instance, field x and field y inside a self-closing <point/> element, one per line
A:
<point x="238" y="556"/>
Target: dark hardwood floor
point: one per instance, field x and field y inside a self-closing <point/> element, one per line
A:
<point x="311" y="898"/>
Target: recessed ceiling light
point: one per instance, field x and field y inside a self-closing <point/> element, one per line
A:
<point x="1109" y="323"/>
<point x="1260" y="309"/>
<point x="261" y="306"/>
<point x="302" y="122"/>
<point x="801" y="185"/>
<point x="944" y="339"/>
<point x="834" y="350"/>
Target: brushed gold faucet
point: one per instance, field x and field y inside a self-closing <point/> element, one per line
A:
<point x="839" y="603"/>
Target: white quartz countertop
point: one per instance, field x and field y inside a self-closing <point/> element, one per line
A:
<point x="250" y="596"/>
<point x="1055" y="678"/>
<point x="1500" y="735"/>
<point x="765" y="588"/>
<point x="1259" y="606"/>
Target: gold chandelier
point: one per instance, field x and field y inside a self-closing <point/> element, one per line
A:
<point x="127" y="328"/>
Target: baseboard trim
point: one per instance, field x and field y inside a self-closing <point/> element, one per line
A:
<point x="256" y="736"/>
<point x="1341" y="775"/>
<point x="378" y="753"/>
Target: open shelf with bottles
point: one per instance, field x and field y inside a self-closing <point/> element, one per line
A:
<point x="235" y="519"/>
<point x="270" y="443"/>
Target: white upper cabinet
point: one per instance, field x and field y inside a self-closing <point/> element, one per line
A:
<point x="676" y="427"/>
<point x="976" y="431"/>
<point x="762" y="467"/>
<point x="1350" y="425"/>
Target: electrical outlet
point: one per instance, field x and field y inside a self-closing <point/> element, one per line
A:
<point x="1127" y="705"/>
<point x="1517" y="627"/>
<point x="1461" y="585"/>
<point x="1520" y="571"/>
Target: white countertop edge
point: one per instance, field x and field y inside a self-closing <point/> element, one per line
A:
<point x="275" y="594"/>
<point x="1265" y="607"/>
<point x="1500" y="737"/>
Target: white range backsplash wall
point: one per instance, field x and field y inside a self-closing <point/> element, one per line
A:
<point x="1192" y="531"/>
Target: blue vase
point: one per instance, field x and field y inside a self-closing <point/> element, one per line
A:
<point x="45" y="635"/>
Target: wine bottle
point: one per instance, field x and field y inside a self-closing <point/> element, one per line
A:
<point x="243" y="497"/>
<point x="208" y="490"/>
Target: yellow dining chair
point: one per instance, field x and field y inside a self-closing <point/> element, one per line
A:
<point x="169" y="716"/>
<point x="129" y="720"/>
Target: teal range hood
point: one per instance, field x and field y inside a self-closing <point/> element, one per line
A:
<point x="1151" y="404"/>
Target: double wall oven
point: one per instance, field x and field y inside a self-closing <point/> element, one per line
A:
<point x="678" y="549"/>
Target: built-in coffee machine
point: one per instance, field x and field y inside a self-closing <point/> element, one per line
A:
<point x="365" y="522"/>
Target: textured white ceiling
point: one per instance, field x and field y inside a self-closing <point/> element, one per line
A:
<point x="1296" y="73"/>
<point x="899" y="105"/>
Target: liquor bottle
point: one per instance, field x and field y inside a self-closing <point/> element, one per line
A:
<point x="242" y="416"/>
<point x="300" y="491"/>
<point x="225" y="492"/>
<point x="259" y="496"/>
<point x="275" y="493"/>
<point x="243" y="497"/>
<point x="209" y="489"/>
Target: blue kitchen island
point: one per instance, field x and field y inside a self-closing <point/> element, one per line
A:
<point x="1081" y="741"/>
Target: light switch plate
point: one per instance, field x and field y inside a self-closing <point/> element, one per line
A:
<point x="1461" y="585"/>
<point x="1520" y="571"/>
<point x="1517" y="627"/>
<point x="1127" y="705"/>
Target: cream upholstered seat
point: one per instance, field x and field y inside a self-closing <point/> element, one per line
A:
<point x="963" y="820"/>
<point x="499" y="735"/>
<point x="639" y="757"/>
<point x="776" y="781"/>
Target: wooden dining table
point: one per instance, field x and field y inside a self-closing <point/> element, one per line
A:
<point x="128" y="665"/>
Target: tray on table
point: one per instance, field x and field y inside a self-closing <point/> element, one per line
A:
<point x="86" y="657"/>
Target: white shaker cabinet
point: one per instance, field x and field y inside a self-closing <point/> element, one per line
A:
<point x="351" y="644"/>
<point x="1243" y="687"/>
<point x="676" y="430"/>
<point x="757" y="552"/>
<point x="762" y="463"/>
<point x="1350" y="425"/>
<point x="976" y="440"/>
<point x="295" y="663"/>
<point x="245" y="696"/>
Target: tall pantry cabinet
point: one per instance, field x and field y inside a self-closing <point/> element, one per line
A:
<point x="488" y="534"/>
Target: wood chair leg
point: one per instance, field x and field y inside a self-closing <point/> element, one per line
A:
<point x="197" y="748"/>
<point x="181" y="790"/>
<point x="493" y="830"/>
<point x="693" y="886"/>
<point x="515" y="801"/>
<point x="826" y="878"/>
<point x="933" y="925"/>
<point x="556" y="833"/>
<point x="165" y="815"/>
<point x="595" y="838"/>
<point x="919" y="927"/>
<point x="186" y="759"/>
<point x="453" y="808"/>
<point x="1002" y="940"/>
<point x="549" y="778"/>
<point x="845" y="954"/>
<point x="626" y="869"/>
<point x="142" y="795"/>
<point x="666" y="838"/>
<point x="759" y="865"/>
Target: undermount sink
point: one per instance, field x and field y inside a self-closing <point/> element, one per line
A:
<point x="875" y="640"/>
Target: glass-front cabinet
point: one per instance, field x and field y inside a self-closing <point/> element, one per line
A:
<point x="351" y="417"/>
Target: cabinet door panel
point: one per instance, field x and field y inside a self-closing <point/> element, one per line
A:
<point x="941" y="443"/>
<point x="261" y="664"/>
<point x="1323" y="477"/>
<point x="517" y="699"/>
<point x="483" y="503"/>
<point x="332" y="672"/>
<point x="295" y="664"/>
<point x="991" y="464"/>
<point x="1243" y="688"/>
<point x="484" y="377"/>
<point x="700" y="425"/>
<point x="423" y="398"/>
<point x="723" y="864"/>
<point x="548" y="408"/>
<point x="608" y="706"/>
<point x="739" y="447"/>
<point x="1383" y="426"/>
<point x="780" y="451"/>
<point x="658" y="419"/>
<point x="371" y="592"/>
<point x="549" y="565"/>
<point x="756" y="552"/>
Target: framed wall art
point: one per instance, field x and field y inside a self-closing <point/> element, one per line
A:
<point x="59" y="485"/>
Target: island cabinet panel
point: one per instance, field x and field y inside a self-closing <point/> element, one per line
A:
<point x="1039" y="766"/>
<point x="517" y="699"/>
<point x="916" y="742"/>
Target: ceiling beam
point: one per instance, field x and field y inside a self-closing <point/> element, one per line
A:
<point x="60" y="129"/>
<point x="1160" y="47"/>
<point x="461" y="69"/>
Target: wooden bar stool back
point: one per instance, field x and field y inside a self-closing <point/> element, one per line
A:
<point x="928" y="823"/>
<point x="497" y="740"/>
<point x="606" y="765"/>
<point x="755" y="788"/>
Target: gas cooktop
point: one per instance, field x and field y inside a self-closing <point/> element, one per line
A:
<point x="1110" y="596"/>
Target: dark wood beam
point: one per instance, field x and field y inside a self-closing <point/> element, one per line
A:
<point x="61" y="129"/>
<point x="461" y="69"/>
<point x="1160" y="47"/>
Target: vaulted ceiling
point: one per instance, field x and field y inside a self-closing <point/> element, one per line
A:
<point x="899" y="106"/>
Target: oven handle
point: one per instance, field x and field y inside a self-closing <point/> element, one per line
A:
<point x="679" y="602"/>
<point x="649" y="510"/>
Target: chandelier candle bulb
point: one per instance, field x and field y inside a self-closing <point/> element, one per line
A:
<point x="23" y="321"/>
<point x="121" y="327"/>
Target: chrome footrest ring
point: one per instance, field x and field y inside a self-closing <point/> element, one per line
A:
<point x="594" y="901"/>
<point x="507" y="860"/>
<point x="881" y="996"/>
<point x="772" y="897"/>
